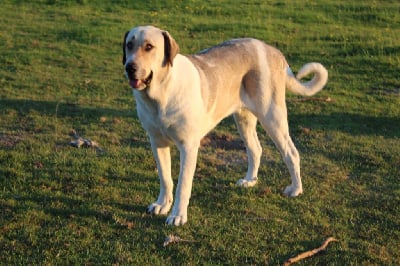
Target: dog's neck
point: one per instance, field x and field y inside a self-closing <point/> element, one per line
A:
<point x="156" y="91"/>
<point x="146" y="97"/>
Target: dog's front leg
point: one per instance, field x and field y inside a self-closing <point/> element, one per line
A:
<point x="162" y="155"/>
<point x="188" y="159"/>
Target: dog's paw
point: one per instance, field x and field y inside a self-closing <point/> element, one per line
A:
<point x="292" y="191"/>
<point x="158" y="209"/>
<point x="176" y="220"/>
<point x="247" y="182"/>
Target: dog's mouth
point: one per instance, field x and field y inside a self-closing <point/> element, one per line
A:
<point x="141" y="83"/>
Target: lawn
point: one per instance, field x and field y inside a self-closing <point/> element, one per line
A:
<point x="61" y="72"/>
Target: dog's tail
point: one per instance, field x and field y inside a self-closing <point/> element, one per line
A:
<point x="310" y="87"/>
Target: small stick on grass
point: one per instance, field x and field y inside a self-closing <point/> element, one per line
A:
<point x="79" y="141"/>
<point x="171" y="239"/>
<point x="309" y="253"/>
<point x="312" y="99"/>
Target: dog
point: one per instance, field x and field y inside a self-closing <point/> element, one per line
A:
<point x="180" y="98"/>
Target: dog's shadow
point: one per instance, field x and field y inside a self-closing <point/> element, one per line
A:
<point x="61" y="109"/>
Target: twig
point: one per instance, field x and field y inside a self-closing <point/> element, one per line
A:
<point x="87" y="143"/>
<point x="257" y="219"/>
<point x="309" y="253"/>
<point x="327" y="99"/>
<point x="171" y="239"/>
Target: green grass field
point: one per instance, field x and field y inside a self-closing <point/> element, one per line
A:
<point x="61" y="70"/>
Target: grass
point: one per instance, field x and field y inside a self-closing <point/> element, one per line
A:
<point x="61" y="70"/>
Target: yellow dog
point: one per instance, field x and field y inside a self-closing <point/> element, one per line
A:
<point x="181" y="98"/>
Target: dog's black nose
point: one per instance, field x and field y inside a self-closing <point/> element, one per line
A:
<point x="130" y="68"/>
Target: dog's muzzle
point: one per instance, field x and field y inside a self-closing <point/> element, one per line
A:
<point x="134" y="82"/>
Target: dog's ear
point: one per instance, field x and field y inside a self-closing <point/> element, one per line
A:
<point x="171" y="48"/>
<point x="123" y="48"/>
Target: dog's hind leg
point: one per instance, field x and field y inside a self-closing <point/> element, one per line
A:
<point x="275" y="123"/>
<point x="246" y="123"/>
<point x="161" y="151"/>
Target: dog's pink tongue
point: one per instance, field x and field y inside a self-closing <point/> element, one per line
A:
<point x="135" y="83"/>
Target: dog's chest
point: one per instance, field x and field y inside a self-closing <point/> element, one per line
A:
<point x="155" y="119"/>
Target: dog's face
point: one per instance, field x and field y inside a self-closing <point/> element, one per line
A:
<point x="147" y="52"/>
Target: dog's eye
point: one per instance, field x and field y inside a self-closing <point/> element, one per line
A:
<point x="129" y="45"/>
<point x="148" y="47"/>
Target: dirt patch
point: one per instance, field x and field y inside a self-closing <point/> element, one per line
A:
<point x="9" y="141"/>
<point x="223" y="150"/>
<point x="222" y="141"/>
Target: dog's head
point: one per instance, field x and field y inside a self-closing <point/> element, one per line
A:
<point x="147" y="53"/>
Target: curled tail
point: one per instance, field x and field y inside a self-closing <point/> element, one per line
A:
<point x="311" y="87"/>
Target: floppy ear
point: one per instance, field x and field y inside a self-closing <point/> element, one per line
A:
<point x="123" y="48"/>
<point x="171" y="48"/>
